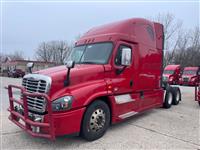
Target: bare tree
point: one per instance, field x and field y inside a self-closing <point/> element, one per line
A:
<point x="195" y="38"/>
<point x="194" y="47"/>
<point x="182" y="46"/>
<point x="43" y="52"/>
<point x="172" y="27"/>
<point x="188" y="50"/>
<point x="53" y="51"/>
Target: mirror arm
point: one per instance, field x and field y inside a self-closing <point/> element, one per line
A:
<point x="69" y="65"/>
<point x="119" y="71"/>
<point x="30" y="70"/>
<point x="67" y="81"/>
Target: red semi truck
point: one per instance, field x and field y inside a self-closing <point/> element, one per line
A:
<point x="190" y="76"/>
<point x="171" y="74"/>
<point x="113" y="72"/>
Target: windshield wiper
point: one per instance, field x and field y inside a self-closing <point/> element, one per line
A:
<point x="87" y="62"/>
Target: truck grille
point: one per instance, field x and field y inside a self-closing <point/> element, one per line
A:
<point x="185" y="79"/>
<point x="36" y="83"/>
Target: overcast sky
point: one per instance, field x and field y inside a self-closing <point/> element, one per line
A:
<point x="25" y="25"/>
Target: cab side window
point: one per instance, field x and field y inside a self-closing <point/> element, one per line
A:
<point x="118" y="58"/>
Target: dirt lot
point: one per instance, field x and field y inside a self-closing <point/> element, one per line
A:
<point x="175" y="128"/>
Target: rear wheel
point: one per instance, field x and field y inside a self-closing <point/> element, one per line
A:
<point x="168" y="98"/>
<point x="96" y="120"/>
<point x="176" y="95"/>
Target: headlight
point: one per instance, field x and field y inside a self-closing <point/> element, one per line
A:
<point x="193" y="79"/>
<point x="164" y="78"/>
<point x="63" y="103"/>
<point x="171" y="78"/>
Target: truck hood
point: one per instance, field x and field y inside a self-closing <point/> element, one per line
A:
<point x="168" y="75"/>
<point x="80" y="74"/>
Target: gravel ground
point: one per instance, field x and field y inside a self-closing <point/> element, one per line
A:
<point x="174" y="128"/>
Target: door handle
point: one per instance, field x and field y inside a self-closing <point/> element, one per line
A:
<point x="141" y="94"/>
<point x="131" y="83"/>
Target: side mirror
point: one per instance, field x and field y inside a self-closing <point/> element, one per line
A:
<point x="70" y="64"/>
<point x="30" y="65"/>
<point x="126" y="57"/>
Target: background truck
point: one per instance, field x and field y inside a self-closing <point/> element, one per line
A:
<point x="172" y="74"/>
<point x="114" y="72"/>
<point x="190" y="76"/>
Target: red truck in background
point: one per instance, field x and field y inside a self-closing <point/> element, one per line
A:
<point x="113" y="72"/>
<point x="171" y="74"/>
<point x="190" y="76"/>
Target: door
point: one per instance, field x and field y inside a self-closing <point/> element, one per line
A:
<point x="122" y="75"/>
<point x="123" y="80"/>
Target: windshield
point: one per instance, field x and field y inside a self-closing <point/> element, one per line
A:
<point x="97" y="53"/>
<point x="189" y="72"/>
<point x="168" y="71"/>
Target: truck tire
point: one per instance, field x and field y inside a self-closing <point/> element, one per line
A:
<point x="168" y="98"/>
<point x="176" y="95"/>
<point x="96" y="121"/>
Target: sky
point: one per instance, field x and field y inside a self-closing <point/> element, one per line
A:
<point x="26" y="24"/>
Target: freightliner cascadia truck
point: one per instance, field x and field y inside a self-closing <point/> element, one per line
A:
<point x="172" y="74"/>
<point x="190" y="76"/>
<point x="113" y="72"/>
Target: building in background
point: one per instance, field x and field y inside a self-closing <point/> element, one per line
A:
<point x="9" y="65"/>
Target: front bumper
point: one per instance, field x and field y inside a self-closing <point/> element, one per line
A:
<point x="191" y="83"/>
<point x="52" y="124"/>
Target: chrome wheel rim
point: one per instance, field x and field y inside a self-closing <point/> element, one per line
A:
<point x="170" y="98"/>
<point x="97" y="120"/>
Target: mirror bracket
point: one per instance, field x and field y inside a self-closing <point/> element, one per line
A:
<point x="69" y="65"/>
<point x="119" y="71"/>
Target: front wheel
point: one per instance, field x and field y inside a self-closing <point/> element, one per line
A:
<point x="199" y="103"/>
<point x="96" y="120"/>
